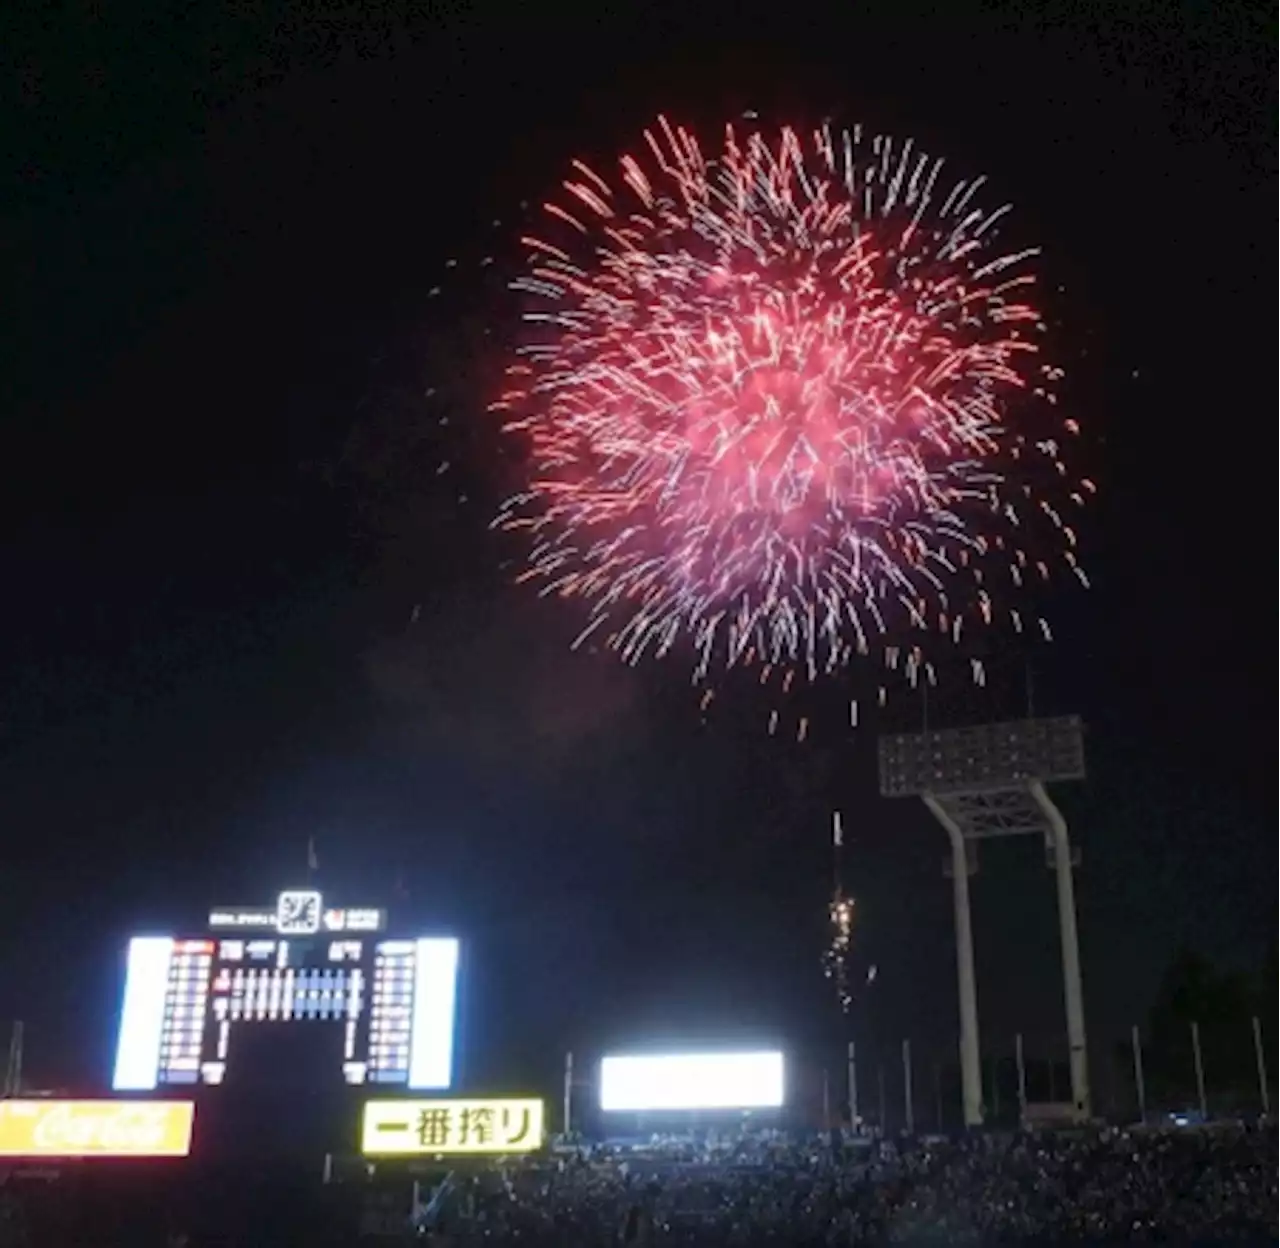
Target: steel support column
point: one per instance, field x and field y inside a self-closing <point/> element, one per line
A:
<point x="970" y="1050"/>
<point x="1077" y="1046"/>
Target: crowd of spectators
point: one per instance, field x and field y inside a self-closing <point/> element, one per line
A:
<point x="1209" y="1185"/>
<point x="1104" y="1187"/>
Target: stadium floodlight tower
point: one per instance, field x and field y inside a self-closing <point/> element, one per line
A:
<point x="985" y="782"/>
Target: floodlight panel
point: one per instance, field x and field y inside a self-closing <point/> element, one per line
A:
<point x="990" y="756"/>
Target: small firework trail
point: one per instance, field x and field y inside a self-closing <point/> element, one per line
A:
<point x="785" y="404"/>
<point x="835" y="959"/>
<point x="841" y="914"/>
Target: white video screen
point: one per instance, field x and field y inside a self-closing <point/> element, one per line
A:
<point x="639" y="1083"/>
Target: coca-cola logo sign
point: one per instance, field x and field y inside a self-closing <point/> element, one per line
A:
<point x="95" y="1128"/>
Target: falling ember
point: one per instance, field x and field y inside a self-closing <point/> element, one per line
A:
<point x="780" y="399"/>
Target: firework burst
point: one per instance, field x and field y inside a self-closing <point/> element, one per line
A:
<point x="784" y="404"/>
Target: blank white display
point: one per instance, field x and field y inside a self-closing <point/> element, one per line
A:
<point x="678" y="1081"/>
<point x="142" y="1016"/>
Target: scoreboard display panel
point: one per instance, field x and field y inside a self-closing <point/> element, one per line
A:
<point x="187" y="999"/>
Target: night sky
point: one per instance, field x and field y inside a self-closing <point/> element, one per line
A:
<point x="242" y="609"/>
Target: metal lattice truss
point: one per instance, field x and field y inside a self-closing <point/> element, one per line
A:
<point x="995" y="812"/>
<point x="998" y="812"/>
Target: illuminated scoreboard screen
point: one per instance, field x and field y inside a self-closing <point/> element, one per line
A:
<point x="187" y="999"/>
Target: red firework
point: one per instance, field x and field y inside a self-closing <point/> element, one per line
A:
<point x="787" y="402"/>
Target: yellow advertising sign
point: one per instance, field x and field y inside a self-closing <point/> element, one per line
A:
<point x="431" y="1128"/>
<point x="96" y="1128"/>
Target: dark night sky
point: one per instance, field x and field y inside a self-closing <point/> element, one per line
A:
<point x="221" y="511"/>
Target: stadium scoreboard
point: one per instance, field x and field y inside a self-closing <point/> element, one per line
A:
<point x="186" y="999"/>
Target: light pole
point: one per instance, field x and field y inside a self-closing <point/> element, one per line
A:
<point x="986" y="782"/>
